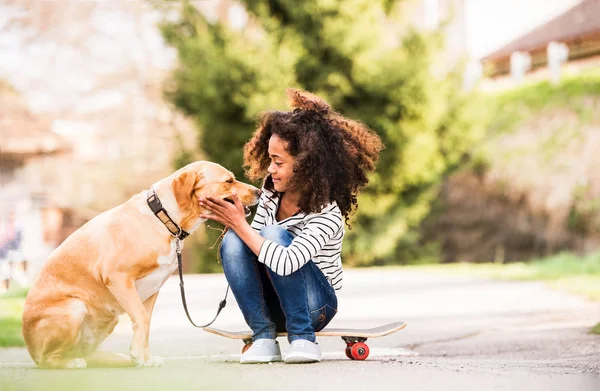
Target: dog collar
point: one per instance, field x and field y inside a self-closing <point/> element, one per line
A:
<point x="160" y="212"/>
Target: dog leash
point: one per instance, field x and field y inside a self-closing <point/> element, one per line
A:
<point x="178" y="234"/>
<point x="222" y="304"/>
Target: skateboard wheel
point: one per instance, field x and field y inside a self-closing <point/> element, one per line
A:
<point x="246" y="347"/>
<point x="349" y="353"/>
<point x="359" y="351"/>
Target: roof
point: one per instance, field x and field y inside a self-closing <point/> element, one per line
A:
<point x="23" y="133"/>
<point x="577" y="22"/>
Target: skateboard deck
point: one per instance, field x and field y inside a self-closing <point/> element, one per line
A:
<point x="356" y="348"/>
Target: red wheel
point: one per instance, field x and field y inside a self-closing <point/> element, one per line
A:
<point x="349" y="352"/>
<point x="360" y="351"/>
<point x="246" y="347"/>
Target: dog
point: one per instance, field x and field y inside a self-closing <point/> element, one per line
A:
<point x="116" y="263"/>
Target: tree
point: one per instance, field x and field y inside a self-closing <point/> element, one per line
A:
<point x="344" y="52"/>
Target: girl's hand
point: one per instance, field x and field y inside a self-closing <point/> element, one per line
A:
<point x="230" y="215"/>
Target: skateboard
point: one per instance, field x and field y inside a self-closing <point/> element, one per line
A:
<point x="356" y="348"/>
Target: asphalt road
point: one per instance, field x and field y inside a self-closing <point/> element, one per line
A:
<point x="463" y="333"/>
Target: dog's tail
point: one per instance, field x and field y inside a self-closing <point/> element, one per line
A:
<point x="101" y="359"/>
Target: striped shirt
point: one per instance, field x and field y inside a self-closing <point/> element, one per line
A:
<point x="317" y="237"/>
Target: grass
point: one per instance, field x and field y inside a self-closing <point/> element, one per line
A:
<point x="11" y="308"/>
<point x="512" y="107"/>
<point x="596" y="329"/>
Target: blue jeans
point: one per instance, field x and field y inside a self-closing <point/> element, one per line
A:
<point x="300" y="303"/>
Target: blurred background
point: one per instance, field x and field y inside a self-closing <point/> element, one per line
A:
<point x="490" y="112"/>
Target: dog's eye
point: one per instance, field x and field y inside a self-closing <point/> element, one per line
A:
<point x="229" y="181"/>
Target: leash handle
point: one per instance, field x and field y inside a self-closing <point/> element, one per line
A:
<point x="222" y="304"/>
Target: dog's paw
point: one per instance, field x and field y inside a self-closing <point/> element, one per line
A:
<point x="76" y="363"/>
<point x="152" y="361"/>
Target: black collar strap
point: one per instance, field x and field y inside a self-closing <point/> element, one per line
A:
<point x="160" y="212"/>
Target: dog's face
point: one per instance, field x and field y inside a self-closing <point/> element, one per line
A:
<point x="203" y="179"/>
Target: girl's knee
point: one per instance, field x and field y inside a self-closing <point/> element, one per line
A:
<point x="231" y="245"/>
<point x="231" y="238"/>
<point x="276" y="234"/>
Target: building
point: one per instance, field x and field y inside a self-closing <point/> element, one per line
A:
<point x="578" y="28"/>
<point x="26" y="142"/>
<point x="486" y="34"/>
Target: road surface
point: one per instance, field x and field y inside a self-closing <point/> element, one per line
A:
<point x="463" y="333"/>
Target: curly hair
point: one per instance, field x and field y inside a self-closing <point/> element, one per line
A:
<point x="332" y="154"/>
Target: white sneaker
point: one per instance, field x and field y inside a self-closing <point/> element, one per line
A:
<point x="262" y="351"/>
<point x="303" y="351"/>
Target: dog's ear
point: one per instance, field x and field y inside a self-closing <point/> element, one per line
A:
<point x="183" y="188"/>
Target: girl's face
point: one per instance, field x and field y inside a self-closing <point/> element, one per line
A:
<point x="282" y="164"/>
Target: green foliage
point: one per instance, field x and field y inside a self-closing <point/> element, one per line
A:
<point x="15" y="293"/>
<point x="11" y="308"/>
<point x="548" y="268"/>
<point x="509" y="109"/>
<point x="566" y="264"/>
<point x="10" y="333"/>
<point x="344" y="52"/>
<point x="223" y="81"/>
<point x="595" y="329"/>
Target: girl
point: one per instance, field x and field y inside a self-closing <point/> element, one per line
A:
<point x="285" y="268"/>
